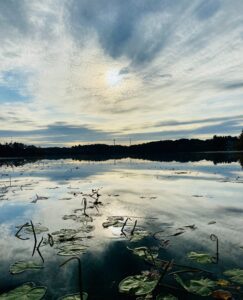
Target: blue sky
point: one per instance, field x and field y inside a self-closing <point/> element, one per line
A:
<point x="96" y="70"/>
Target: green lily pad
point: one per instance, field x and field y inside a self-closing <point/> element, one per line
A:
<point x="113" y="221"/>
<point x="27" y="228"/>
<point x="70" y="217"/>
<point x="236" y="275"/>
<point x="65" y="231"/>
<point x="202" y="287"/>
<point x="22" y="266"/>
<point x="109" y="223"/>
<point x="74" y="297"/>
<point x="138" y="285"/>
<point x="139" y="235"/>
<point x="201" y="258"/>
<point x="81" y="218"/>
<point x="71" y="249"/>
<point x="86" y="228"/>
<point x="27" y="291"/>
<point x="38" y="229"/>
<point x="145" y="253"/>
<point x="166" y="297"/>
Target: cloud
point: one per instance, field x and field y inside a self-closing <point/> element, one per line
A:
<point x="120" y="26"/>
<point x="205" y="128"/>
<point x="201" y="121"/>
<point x="207" y="9"/>
<point x="233" y="85"/>
<point x="58" y="134"/>
<point x="179" y="62"/>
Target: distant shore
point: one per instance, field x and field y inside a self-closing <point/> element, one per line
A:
<point x="220" y="156"/>
<point x="150" y="149"/>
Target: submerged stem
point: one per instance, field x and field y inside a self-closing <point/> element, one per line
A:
<point x="214" y="238"/>
<point x="79" y="272"/>
<point x="35" y="239"/>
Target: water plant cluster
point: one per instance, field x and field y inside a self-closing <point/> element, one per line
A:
<point x="160" y="279"/>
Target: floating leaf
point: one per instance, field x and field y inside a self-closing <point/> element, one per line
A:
<point x="165" y="297"/>
<point x="82" y="218"/>
<point x="192" y="227"/>
<point x="222" y="295"/>
<point x="65" y="231"/>
<point x="145" y="253"/>
<point x="139" y="285"/>
<point x="168" y="232"/>
<point x="236" y="275"/>
<point x="38" y="228"/>
<point x="177" y="233"/>
<point x="109" y="224"/>
<point x="86" y="228"/>
<point x="70" y="217"/>
<point x="202" y="287"/>
<point x="74" y="297"/>
<point x="113" y="221"/>
<point x="22" y="266"/>
<point x="139" y="235"/>
<point x="201" y="258"/>
<point x="27" y="291"/>
<point x="223" y="282"/>
<point x="66" y="235"/>
<point x="71" y="249"/>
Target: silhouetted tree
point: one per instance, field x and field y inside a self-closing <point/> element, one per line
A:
<point x="145" y="150"/>
<point x="240" y="141"/>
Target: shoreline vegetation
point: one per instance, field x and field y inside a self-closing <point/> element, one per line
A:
<point x="151" y="150"/>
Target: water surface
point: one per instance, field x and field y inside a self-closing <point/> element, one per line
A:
<point x="159" y="195"/>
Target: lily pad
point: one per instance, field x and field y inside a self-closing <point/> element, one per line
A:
<point x="222" y="295"/>
<point x="236" y="275"/>
<point x="27" y="291"/>
<point x="70" y="217"/>
<point x="202" y="287"/>
<point x="201" y="258"/>
<point x="138" y="285"/>
<point x="27" y="228"/>
<point x="71" y="249"/>
<point x="223" y="282"/>
<point x="65" y="231"/>
<point x="22" y="266"/>
<point x="145" y="253"/>
<point x="70" y="235"/>
<point x="139" y="235"/>
<point x="109" y="223"/>
<point x="74" y="297"/>
<point x="81" y="218"/>
<point x="86" y="228"/>
<point x="113" y="221"/>
<point x="38" y="229"/>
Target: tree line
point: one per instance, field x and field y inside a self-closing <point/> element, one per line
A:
<point x="157" y="148"/>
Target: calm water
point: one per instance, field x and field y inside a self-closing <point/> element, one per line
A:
<point x="159" y="195"/>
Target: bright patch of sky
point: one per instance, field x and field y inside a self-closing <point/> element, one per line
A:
<point x="90" y="71"/>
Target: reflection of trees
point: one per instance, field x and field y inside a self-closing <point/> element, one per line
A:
<point x="183" y="150"/>
<point x="241" y="160"/>
<point x="215" y="157"/>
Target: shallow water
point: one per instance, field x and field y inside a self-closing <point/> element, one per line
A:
<point x="159" y="195"/>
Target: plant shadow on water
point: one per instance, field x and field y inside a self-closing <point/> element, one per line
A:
<point x="183" y="242"/>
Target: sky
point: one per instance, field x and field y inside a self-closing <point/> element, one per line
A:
<point x="87" y="71"/>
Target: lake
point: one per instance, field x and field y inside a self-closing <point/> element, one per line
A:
<point x="172" y="209"/>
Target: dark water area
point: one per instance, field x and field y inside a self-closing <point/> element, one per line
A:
<point x="185" y="199"/>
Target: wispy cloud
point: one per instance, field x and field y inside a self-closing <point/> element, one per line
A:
<point x="177" y="68"/>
